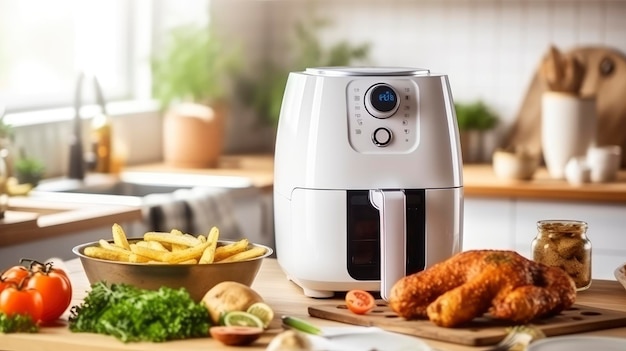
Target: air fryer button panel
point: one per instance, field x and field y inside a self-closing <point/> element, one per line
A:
<point x="400" y="120"/>
<point x="381" y="137"/>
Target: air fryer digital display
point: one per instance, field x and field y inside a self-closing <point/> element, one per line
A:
<point x="363" y="234"/>
<point x="383" y="98"/>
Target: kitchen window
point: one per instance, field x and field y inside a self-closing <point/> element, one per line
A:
<point x="44" y="44"/>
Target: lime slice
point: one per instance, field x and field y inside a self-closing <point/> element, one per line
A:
<point x="263" y="311"/>
<point x="242" y="319"/>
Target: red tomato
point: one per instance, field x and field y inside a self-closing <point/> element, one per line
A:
<point x="360" y="301"/>
<point x="55" y="289"/>
<point x="6" y="284"/>
<point x="21" y="301"/>
<point x="15" y="274"/>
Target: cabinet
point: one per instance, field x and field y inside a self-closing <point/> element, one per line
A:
<point x="510" y="223"/>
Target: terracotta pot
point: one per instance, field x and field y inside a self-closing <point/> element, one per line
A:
<point x="193" y="135"/>
<point x="471" y="146"/>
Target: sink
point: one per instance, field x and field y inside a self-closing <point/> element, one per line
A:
<point x="139" y="184"/>
<point x="122" y="188"/>
<point x="149" y="189"/>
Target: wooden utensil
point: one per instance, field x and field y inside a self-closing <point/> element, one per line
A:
<point x="562" y="73"/>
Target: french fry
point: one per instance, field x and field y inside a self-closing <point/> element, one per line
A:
<point x="134" y="258"/>
<point x="245" y="255"/>
<point x="107" y="245"/>
<point x="191" y="237"/>
<point x="157" y="245"/>
<point x="189" y="241"/>
<point x="209" y="253"/>
<point x="174" y="247"/>
<point x="149" y="253"/>
<point x="142" y="243"/>
<point x="177" y="247"/>
<point x="187" y="254"/>
<point x="191" y="261"/>
<point x="119" y="237"/>
<point x="222" y="252"/>
<point x="106" y="254"/>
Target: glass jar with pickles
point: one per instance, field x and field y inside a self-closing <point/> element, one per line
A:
<point x="564" y="244"/>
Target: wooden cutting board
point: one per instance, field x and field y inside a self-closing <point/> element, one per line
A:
<point x="481" y="331"/>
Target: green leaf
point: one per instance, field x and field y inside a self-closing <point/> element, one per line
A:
<point x="475" y="116"/>
<point x="132" y="314"/>
<point x="17" y="323"/>
<point x="193" y="66"/>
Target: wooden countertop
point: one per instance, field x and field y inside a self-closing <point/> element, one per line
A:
<point x="30" y="219"/>
<point x="285" y="297"/>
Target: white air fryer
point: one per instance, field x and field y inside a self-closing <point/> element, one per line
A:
<point x="368" y="177"/>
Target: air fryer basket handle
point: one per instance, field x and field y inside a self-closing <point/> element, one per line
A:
<point x="391" y="205"/>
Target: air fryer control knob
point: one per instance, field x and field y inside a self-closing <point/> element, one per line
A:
<point x="381" y="100"/>
<point x="381" y="136"/>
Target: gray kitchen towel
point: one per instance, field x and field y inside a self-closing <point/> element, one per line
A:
<point x="162" y="213"/>
<point x="192" y="211"/>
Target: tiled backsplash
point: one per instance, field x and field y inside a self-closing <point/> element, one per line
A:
<point x="489" y="48"/>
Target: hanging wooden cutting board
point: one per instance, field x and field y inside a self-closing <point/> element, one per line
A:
<point x="603" y="72"/>
<point x="481" y="331"/>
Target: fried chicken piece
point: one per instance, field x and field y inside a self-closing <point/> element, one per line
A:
<point x="503" y="283"/>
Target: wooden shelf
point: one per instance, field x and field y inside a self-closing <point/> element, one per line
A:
<point x="480" y="181"/>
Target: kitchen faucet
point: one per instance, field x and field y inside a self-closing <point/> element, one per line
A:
<point x="79" y="161"/>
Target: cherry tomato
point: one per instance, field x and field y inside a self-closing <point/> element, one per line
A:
<point x="14" y="300"/>
<point x="55" y="289"/>
<point x="360" y="301"/>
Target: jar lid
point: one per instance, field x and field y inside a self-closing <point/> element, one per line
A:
<point x="562" y="225"/>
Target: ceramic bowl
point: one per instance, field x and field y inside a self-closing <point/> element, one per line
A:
<point x="196" y="278"/>
<point x="514" y="165"/>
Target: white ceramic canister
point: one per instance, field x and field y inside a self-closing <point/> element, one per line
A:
<point x="568" y="129"/>
<point x="604" y="162"/>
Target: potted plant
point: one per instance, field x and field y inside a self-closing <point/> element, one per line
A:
<point x="29" y="170"/>
<point x="474" y="120"/>
<point x="6" y="130"/>
<point x="190" y="79"/>
<point x="265" y="92"/>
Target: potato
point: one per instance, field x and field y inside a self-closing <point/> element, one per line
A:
<point x="229" y="296"/>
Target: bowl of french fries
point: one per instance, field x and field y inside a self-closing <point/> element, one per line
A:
<point x="173" y="259"/>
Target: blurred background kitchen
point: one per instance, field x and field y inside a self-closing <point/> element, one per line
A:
<point x="489" y="49"/>
<point x="492" y="51"/>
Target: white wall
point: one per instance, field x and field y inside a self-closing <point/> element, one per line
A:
<point x="489" y="48"/>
